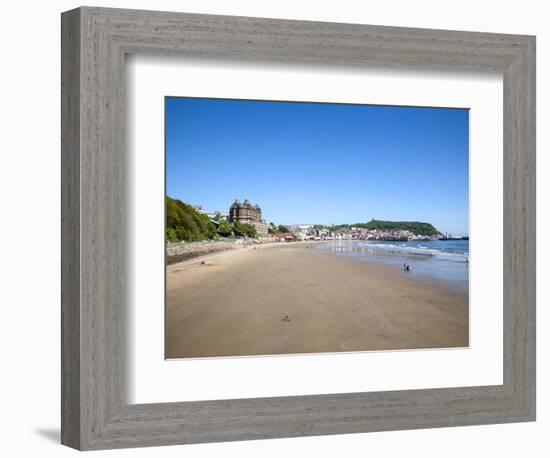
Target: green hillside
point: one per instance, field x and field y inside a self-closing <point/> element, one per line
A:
<point x="183" y="222"/>
<point x="415" y="227"/>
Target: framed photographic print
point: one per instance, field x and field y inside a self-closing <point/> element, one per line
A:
<point x="280" y="228"/>
<point x="278" y="286"/>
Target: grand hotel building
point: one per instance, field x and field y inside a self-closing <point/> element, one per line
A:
<point x="246" y="213"/>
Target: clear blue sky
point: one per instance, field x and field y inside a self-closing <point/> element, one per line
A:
<point x="321" y="163"/>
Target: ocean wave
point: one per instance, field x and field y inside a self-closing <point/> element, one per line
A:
<point x="401" y="249"/>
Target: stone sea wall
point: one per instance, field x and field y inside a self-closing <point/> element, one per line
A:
<point x="178" y="252"/>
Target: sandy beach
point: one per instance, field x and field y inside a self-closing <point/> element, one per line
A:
<point x="295" y="299"/>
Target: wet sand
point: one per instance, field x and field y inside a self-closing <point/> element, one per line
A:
<point x="294" y="299"/>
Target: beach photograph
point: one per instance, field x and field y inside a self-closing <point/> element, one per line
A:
<point x="307" y="227"/>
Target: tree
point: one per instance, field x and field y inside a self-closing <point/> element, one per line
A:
<point x="171" y="234"/>
<point x="225" y="229"/>
<point x="245" y="229"/>
<point x="183" y="222"/>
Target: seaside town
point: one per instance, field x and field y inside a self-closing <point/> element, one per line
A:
<point x="248" y="214"/>
<point x="243" y="224"/>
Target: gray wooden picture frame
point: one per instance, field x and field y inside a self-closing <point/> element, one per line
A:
<point x="95" y="412"/>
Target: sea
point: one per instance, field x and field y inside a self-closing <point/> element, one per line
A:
<point x="444" y="261"/>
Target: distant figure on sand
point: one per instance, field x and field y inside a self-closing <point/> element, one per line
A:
<point x="406" y="267"/>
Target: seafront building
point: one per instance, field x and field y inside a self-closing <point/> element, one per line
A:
<point x="218" y="215"/>
<point x="319" y="232"/>
<point x="199" y="209"/>
<point x="246" y="213"/>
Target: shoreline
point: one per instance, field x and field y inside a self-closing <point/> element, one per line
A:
<point x="193" y="250"/>
<point x="206" y="256"/>
<point x="234" y="303"/>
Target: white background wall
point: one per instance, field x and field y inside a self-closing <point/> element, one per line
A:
<point x="29" y="205"/>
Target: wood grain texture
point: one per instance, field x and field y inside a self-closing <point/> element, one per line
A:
<point x="96" y="414"/>
<point x="70" y="229"/>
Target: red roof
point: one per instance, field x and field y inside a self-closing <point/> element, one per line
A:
<point x="286" y="235"/>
